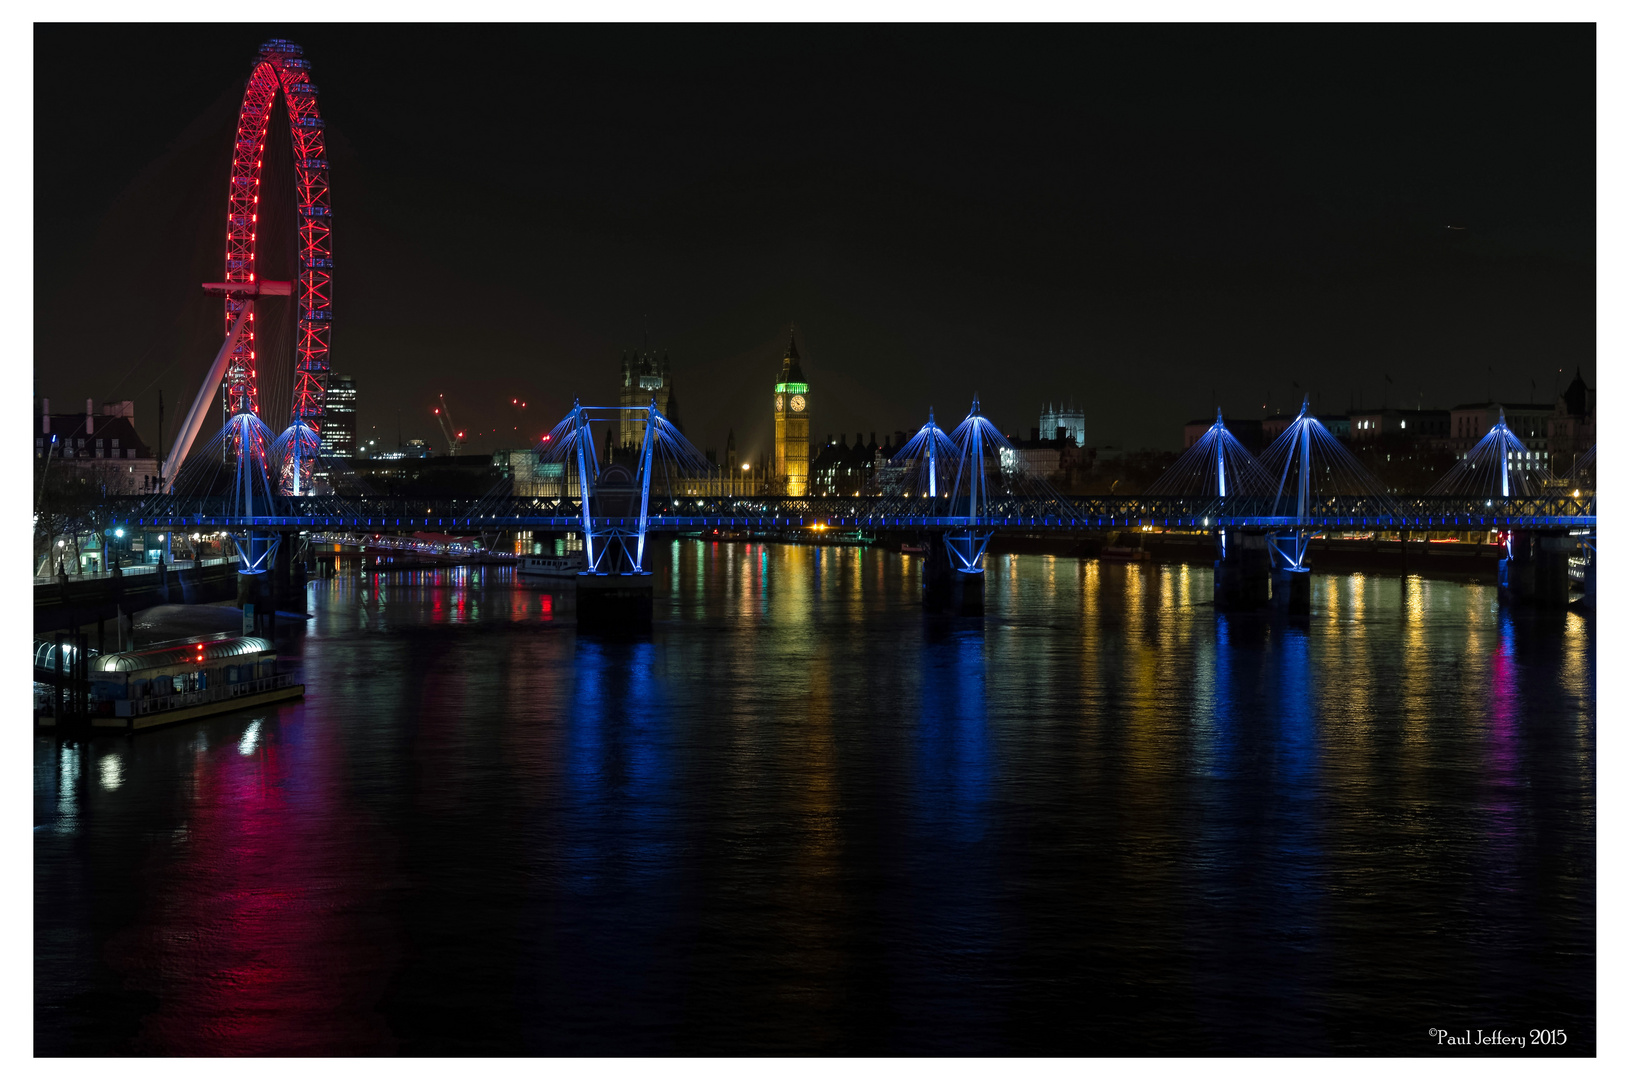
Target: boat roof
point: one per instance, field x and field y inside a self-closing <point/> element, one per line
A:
<point x="201" y="651"/>
<point x="45" y="654"/>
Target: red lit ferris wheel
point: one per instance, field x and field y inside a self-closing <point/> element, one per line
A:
<point x="281" y="68"/>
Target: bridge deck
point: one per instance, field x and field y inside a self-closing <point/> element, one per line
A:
<point x="872" y="512"/>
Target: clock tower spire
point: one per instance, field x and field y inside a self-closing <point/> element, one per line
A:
<point x="792" y="425"/>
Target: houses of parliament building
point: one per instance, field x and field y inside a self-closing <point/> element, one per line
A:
<point x="646" y="377"/>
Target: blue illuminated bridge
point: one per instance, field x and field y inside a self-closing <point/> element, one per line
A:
<point x="867" y="512"/>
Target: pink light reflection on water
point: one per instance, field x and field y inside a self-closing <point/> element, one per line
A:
<point x="251" y="941"/>
<point x="1502" y="770"/>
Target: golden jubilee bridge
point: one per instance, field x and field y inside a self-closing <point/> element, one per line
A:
<point x="381" y="513"/>
<point x="968" y="478"/>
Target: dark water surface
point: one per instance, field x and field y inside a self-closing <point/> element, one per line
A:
<point x="801" y="816"/>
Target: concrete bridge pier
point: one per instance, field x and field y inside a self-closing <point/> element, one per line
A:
<point x="261" y="553"/>
<point x="290" y="569"/>
<point x="1292" y="584"/>
<point x="1243" y="571"/>
<point x="615" y="603"/>
<point x="1293" y="590"/>
<point x="1535" y="574"/>
<point x="948" y="588"/>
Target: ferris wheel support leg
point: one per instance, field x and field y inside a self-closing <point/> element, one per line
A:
<point x="200" y="405"/>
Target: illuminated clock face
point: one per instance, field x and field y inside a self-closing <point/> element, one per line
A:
<point x="780" y="403"/>
<point x="797" y="403"/>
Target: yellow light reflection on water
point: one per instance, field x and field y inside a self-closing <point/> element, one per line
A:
<point x="1418" y="685"/>
<point x="1132" y="591"/>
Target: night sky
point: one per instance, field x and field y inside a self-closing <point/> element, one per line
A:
<point x="1146" y="219"/>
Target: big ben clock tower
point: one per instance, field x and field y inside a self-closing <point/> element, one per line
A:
<point x="792" y="426"/>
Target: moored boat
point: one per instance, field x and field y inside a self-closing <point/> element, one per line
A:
<point x="185" y="681"/>
<point x="568" y="565"/>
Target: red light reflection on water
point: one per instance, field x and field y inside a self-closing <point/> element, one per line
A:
<point x="259" y="937"/>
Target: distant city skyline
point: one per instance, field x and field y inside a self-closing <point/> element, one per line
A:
<point x="1136" y="216"/>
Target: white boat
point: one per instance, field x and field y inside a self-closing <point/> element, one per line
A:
<point x="552" y="566"/>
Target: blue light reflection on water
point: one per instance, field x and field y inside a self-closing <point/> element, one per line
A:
<point x="1260" y="875"/>
<point x="946" y="963"/>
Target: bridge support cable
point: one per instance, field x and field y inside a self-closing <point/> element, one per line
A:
<point x="1326" y="476"/>
<point x="918" y="473"/>
<point x="292" y="456"/>
<point x="583" y="442"/>
<point x="1208" y="479"/>
<point x="1499" y="466"/>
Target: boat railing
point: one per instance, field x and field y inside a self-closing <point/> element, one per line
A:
<point x="146" y="706"/>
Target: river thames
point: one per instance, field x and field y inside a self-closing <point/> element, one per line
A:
<point x="801" y="816"/>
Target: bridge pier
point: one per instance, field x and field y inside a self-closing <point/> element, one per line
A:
<point x="290" y="571"/>
<point x="947" y="587"/>
<point x="1535" y="574"/>
<point x="1589" y="583"/>
<point x="1242" y="576"/>
<point x="262" y="560"/>
<point x="1293" y="590"/>
<point x="615" y="603"/>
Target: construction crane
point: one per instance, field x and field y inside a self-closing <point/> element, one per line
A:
<point x="455" y="438"/>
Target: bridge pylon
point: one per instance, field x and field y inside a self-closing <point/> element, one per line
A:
<point x="615" y="590"/>
<point x="954" y="578"/>
<point x="1292" y="582"/>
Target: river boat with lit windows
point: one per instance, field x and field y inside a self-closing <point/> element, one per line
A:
<point x="567" y="565"/>
<point x="130" y="691"/>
